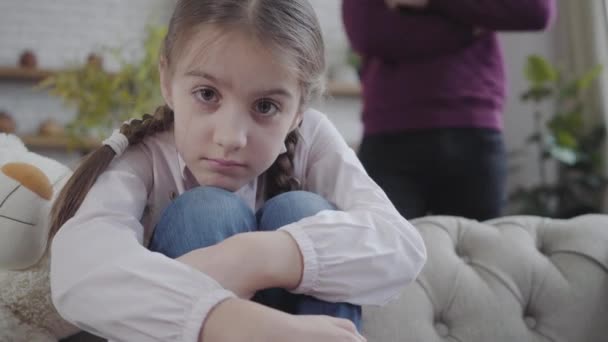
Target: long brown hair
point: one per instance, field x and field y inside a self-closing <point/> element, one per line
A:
<point x="290" y="26"/>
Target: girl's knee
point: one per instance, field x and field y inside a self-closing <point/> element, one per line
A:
<point x="291" y="207"/>
<point x="303" y="201"/>
<point x="206" y="200"/>
<point x="200" y="218"/>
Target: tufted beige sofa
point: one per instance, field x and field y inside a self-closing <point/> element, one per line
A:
<point x="514" y="279"/>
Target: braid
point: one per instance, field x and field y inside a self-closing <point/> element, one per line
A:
<point x="73" y="193"/>
<point x="280" y="176"/>
<point x="137" y="129"/>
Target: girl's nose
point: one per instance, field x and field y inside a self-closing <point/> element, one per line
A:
<point x="231" y="131"/>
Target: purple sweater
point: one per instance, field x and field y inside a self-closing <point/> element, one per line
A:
<point x="441" y="67"/>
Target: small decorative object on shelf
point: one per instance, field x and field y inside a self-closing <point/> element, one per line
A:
<point x="343" y="89"/>
<point x="7" y="123"/>
<point x="51" y="128"/>
<point x="28" y="60"/>
<point x="95" y="60"/>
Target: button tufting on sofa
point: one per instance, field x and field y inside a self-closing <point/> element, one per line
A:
<point x="442" y="329"/>
<point x="463" y="255"/>
<point x="530" y="322"/>
<point x="542" y="249"/>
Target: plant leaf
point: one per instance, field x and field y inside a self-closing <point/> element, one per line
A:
<point x="539" y="71"/>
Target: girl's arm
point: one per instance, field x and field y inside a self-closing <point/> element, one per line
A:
<point x="105" y="281"/>
<point x="365" y="252"/>
<point x="374" y="30"/>
<point x="273" y="259"/>
<point x="499" y="15"/>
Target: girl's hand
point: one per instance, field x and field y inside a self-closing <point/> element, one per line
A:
<point x="407" y="3"/>
<point x="248" y="262"/>
<point x="240" y="320"/>
<point x="225" y="265"/>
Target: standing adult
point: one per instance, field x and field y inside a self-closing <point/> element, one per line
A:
<point x="433" y="91"/>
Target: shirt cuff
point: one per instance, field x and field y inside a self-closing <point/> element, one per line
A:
<point x="200" y="312"/>
<point x="310" y="272"/>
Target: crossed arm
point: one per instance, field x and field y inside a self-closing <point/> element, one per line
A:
<point x="403" y="29"/>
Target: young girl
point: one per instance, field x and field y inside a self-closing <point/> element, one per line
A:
<point x="259" y="221"/>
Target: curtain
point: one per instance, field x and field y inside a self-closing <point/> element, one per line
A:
<point x="582" y="34"/>
<point x="582" y="42"/>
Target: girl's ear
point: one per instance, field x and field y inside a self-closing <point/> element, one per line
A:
<point x="165" y="81"/>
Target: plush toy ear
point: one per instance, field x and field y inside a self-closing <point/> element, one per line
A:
<point x="30" y="177"/>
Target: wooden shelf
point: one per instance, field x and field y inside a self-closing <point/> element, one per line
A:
<point x="59" y="142"/>
<point x="343" y="89"/>
<point x="24" y="74"/>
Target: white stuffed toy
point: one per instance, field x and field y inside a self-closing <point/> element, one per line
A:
<point x="28" y="184"/>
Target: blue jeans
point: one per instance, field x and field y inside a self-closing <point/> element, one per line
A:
<point x="205" y="216"/>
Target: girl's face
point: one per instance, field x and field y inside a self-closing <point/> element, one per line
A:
<point x="234" y="103"/>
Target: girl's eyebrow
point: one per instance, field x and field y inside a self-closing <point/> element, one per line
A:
<point x="276" y="92"/>
<point x="202" y="74"/>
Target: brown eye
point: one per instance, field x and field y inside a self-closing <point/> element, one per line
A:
<point x="207" y="95"/>
<point x="266" y="108"/>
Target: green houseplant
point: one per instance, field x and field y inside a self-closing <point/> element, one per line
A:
<point x="565" y="139"/>
<point x="103" y="100"/>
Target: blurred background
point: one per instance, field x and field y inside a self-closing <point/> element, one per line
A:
<point x="70" y="70"/>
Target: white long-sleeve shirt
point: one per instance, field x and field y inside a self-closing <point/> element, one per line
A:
<point x="104" y="279"/>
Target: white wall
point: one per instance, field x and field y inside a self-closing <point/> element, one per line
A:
<point x="61" y="31"/>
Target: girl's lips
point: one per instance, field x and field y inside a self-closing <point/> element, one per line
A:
<point x="224" y="163"/>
